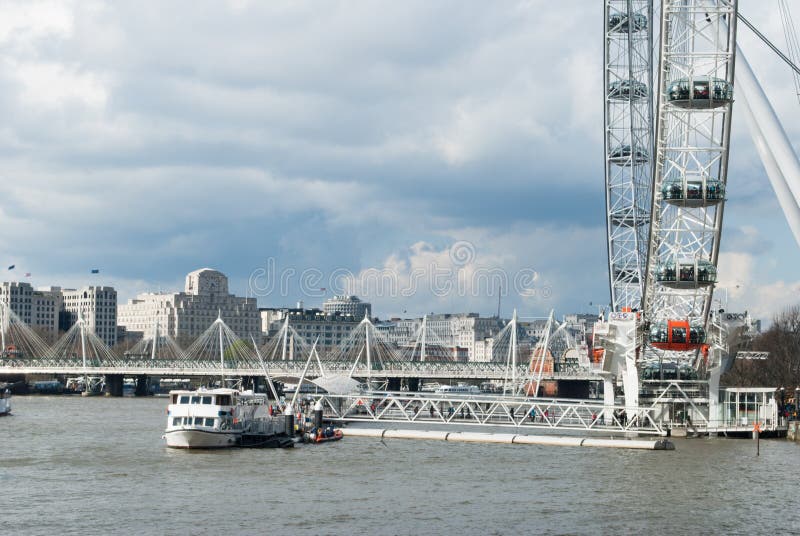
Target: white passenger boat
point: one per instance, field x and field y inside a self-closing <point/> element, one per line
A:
<point x="5" y="400"/>
<point x="460" y="389"/>
<point x="217" y="418"/>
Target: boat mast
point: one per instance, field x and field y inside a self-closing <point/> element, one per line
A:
<point x="155" y="342"/>
<point x="264" y="367"/>
<point x="369" y="356"/>
<point x="424" y="333"/>
<point x="221" y="355"/>
<point x="514" y="353"/>
<point x="285" y="337"/>
<point x="82" y="324"/>
<point x="3" y="325"/>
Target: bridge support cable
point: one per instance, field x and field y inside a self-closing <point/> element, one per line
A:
<point x="19" y="341"/>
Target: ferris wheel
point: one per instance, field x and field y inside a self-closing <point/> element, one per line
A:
<point x="666" y="186"/>
<point x="665" y="192"/>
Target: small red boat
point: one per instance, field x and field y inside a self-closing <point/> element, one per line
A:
<point x="323" y="435"/>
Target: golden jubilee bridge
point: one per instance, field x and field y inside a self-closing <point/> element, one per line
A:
<point x="365" y="356"/>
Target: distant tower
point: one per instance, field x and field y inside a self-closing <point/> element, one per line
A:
<point x="347" y="305"/>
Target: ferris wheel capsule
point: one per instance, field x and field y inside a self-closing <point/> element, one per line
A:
<point x="686" y="274"/>
<point x="693" y="192"/>
<point x="620" y="22"/>
<point x="677" y="335"/>
<point x="624" y="155"/>
<point x="702" y="92"/>
<point x="627" y="89"/>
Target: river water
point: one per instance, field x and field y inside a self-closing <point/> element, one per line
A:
<point x="74" y="465"/>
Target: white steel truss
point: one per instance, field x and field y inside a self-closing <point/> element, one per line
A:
<point x="487" y="410"/>
<point x="628" y="78"/>
<point x="693" y="132"/>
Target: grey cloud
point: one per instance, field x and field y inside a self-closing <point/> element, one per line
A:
<point x="325" y="134"/>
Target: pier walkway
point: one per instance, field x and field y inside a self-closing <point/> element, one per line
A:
<point x="519" y="413"/>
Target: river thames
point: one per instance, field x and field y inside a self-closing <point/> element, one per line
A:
<point x="95" y="466"/>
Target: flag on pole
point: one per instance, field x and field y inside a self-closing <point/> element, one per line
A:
<point x="11" y="267"/>
<point x="95" y="271"/>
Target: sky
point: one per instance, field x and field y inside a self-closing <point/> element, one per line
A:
<point x="423" y="155"/>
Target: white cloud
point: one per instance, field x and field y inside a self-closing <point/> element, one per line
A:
<point x="53" y="85"/>
<point x="23" y="22"/>
<point x="469" y="270"/>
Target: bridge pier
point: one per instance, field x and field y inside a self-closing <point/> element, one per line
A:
<point x="114" y="384"/>
<point x="142" y="386"/>
<point x="256" y="384"/>
<point x="573" y="389"/>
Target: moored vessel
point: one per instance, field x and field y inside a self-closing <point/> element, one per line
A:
<point x="221" y="418"/>
<point x="5" y="400"/>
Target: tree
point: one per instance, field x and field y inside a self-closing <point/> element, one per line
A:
<point x="782" y="367"/>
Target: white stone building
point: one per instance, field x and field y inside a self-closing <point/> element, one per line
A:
<point x="97" y="306"/>
<point x="39" y="309"/>
<point x="330" y="330"/>
<point x="348" y="306"/>
<point x="461" y="330"/>
<point x="185" y="315"/>
<point x="48" y="304"/>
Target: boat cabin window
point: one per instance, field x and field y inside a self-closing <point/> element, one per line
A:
<point x="184" y="399"/>
<point x="174" y="399"/>
<point x="206" y="400"/>
<point x="176" y="421"/>
<point x="224" y="400"/>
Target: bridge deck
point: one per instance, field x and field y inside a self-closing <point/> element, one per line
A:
<point x="422" y="370"/>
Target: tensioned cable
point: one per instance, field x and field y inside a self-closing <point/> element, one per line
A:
<point x="792" y="43"/>
<point x="769" y="43"/>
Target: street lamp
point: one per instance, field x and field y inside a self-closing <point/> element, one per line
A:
<point x="783" y="400"/>
<point x="783" y="403"/>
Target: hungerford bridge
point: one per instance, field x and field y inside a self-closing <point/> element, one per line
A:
<point x="365" y="354"/>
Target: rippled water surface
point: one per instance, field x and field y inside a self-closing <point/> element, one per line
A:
<point x="95" y="466"/>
